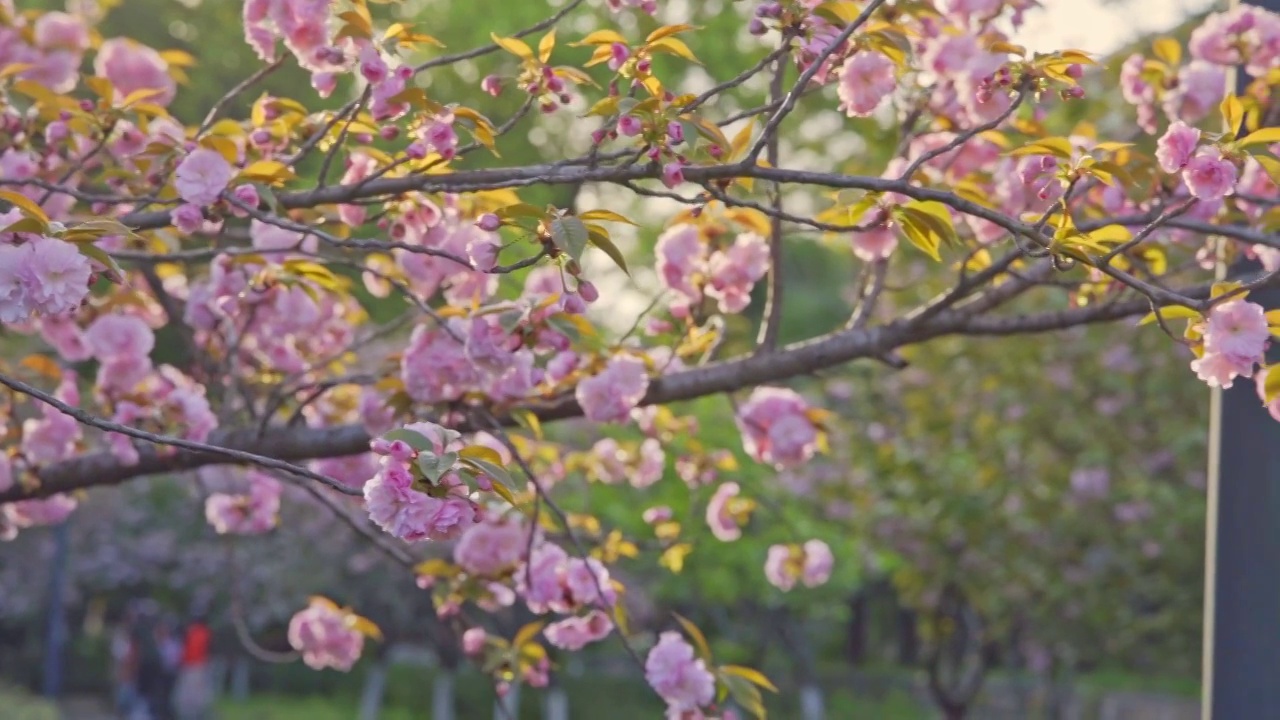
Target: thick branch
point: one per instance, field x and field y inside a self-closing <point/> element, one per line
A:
<point x="300" y="443"/>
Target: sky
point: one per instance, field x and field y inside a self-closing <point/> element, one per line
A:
<point x="1091" y="26"/>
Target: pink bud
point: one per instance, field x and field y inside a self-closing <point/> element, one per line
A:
<point x="1075" y="71"/>
<point x="597" y="137"/>
<point x="364" y="138"/>
<point x="492" y="84"/>
<point x="644" y="66"/>
<point x="246" y="194"/>
<point x="672" y="174"/>
<point x="416" y="150"/>
<point x="618" y="55"/>
<point x="555" y="85"/>
<point x="757" y="27"/>
<point x="389" y="132"/>
<point x="588" y="291"/>
<point x="675" y="131"/>
<point x="260" y="137"/>
<point x="489" y="222"/>
<point x="86" y="105"/>
<point x="630" y="125"/>
<point x="56" y="132"/>
<point x="715" y="151"/>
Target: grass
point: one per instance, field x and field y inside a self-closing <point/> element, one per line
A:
<point x="20" y="705"/>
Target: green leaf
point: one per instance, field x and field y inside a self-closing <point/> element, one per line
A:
<point x="754" y="676"/>
<point x="745" y="694"/>
<point x="1172" y="312"/>
<point x="570" y="235"/>
<point x="528" y="420"/>
<point x="602" y="241"/>
<point x="504" y="492"/>
<point x="495" y="471"/>
<point x="415" y="440"/>
<point x="699" y="640"/>
<point x="434" y="466"/>
<point x="521" y="210"/>
<point x="93" y="252"/>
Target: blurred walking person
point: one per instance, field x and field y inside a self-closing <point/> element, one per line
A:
<point x="124" y="658"/>
<point x="193" y="694"/>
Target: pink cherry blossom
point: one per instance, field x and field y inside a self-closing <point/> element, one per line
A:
<point x="131" y="67"/>
<point x="1236" y="335"/>
<point x="60" y="31"/>
<point x="1200" y="89"/>
<point x="818" y="562"/>
<point x="45" y="276"/>
<point x="781" y="568"/>
<point x="721" y="515"/>
<point x="202" y="176"/>
<point x="492" y="547"/>
<point x="735" y="270"/>
<point x="651" y="464"/>
<point x="876" y="243"/>
<point x="1176" y="146"/>
<point x="115" y="335"/>
<point x="539" y="579"/>
<point x="610" y="395"/>
<point x="1209" y="176"/>
<point x="321" y="633"/>
<point x="775" y="427"/>
<point x="866" y="79"/>
<point x="252" y="513"/>
<point x="677" y="675"/>
<point x="473" y="641"/>
<point x="576" y="633"/>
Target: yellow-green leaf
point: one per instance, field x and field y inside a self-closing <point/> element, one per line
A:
<point x="601" y="37"/>
<point x="1171" y="312"/>
<point x="546" y="45"/>
<point x="605" y="216"/>
<point x="26" y="206"/>
<point x="667" y="31"/>
<point x="527" y="633"/>
<point x="674" y="46"/>
<point x="528" y="420"/>
<point x="699" y="640"/>
<point x="1168" y="50"/>
<point x="1232" y="114"/>
<point x="1055" y="146"/>
<point x="754" y="676"/>
<point x="480" y="452"/>
<point x="1263" y="136"/>
<point x="515" y="46"/>
<point x="1271" y="385"/>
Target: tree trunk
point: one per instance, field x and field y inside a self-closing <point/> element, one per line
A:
<point x="240" y="679"/>
<point x="856" y="643"/>
<point x="557" y="704"/>
<point x="812" y="705"/>
<point x="442" y="703"/>
<point x="375" y="687"/>
<point x="507" y="707"/>
<point x="908" y="639"/>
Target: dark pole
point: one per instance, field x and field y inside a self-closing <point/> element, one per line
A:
<point x="1241" y="665"/>
<point x="57" y="630"/>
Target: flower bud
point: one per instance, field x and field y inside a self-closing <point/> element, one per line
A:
<point x="416" y="150"/>
<point x="492" y="84"/>
<point x="389" y="132"/>
<point x="489" y="222"/>
<point x="588" y="291"/>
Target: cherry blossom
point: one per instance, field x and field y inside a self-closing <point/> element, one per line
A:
<point x="321" y="633"/>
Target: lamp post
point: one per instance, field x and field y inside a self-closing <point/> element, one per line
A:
<point x="1241" y="661"/>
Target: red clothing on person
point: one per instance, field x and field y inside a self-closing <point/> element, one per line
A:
<point x="195" y="650"/>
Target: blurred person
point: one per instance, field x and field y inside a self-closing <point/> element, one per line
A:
<point x="193" y="694"/>
<point x="124" y="659"/>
